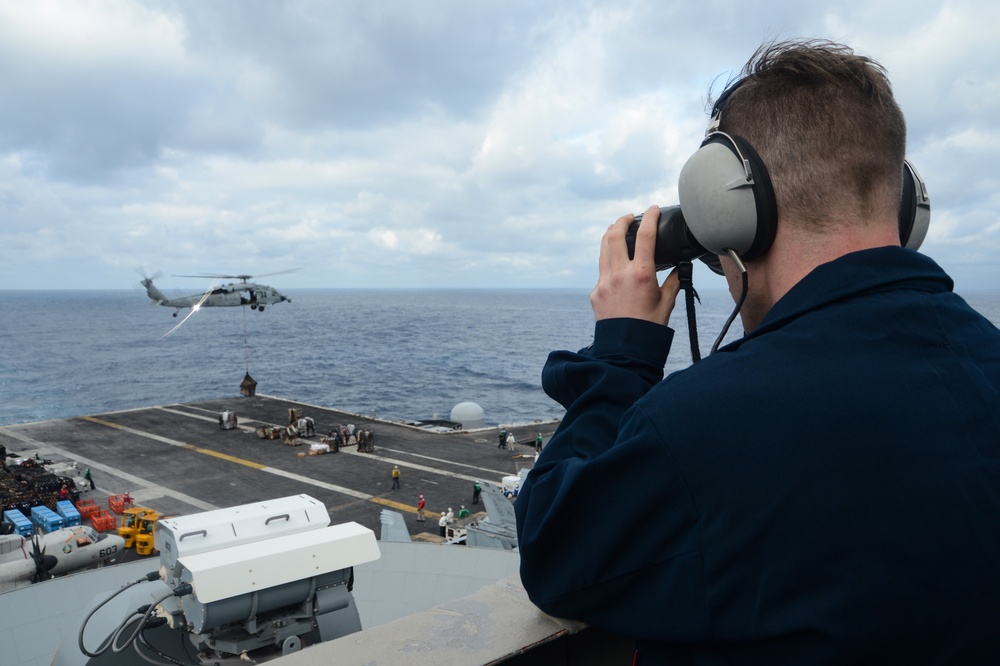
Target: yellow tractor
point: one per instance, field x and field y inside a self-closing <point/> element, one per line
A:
<point x="144" y="535"/>
<point x="130" y="523"/>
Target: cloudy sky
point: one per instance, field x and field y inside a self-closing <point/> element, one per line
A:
<point x="425" y="144"/>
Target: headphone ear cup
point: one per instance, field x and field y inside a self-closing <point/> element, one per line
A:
<point x="914" y="209"/>
<point x="727" y="199"/>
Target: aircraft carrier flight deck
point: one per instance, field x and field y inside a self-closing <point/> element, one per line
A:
<point x="178" y="460"/>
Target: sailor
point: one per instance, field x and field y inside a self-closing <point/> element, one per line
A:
<point x="812" y="475"/>
<point x="395" y="477"/>
<point x="450" y="515"/>
<point x="463" y="512"/>
<point x="510" y="441"/>
<point x="420" y="510"/>
<point x="443" y="524"/>
<point x="538" y="443"/>
<point x="476" y="490"/>
<point x="503" y="439"/>
<point x="89" y="478"/>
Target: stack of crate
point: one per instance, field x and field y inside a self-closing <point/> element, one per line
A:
<point x="21" y="525"/>
<point x="70" y="514"/>
<point x="45" y="519"/>
<point x="87" y="508"/>
<point x="269" y="432"/>
<point x="117" y="503"/>
<point x="102" y="521"/>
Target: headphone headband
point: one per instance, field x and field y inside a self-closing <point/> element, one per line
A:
<point x="720" y="104"/>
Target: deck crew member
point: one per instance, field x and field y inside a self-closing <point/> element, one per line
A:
<point x="825" y="489"/>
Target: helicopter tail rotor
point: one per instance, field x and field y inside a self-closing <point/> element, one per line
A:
<point x="155" y="295"/>
<point x="148" y="278"/>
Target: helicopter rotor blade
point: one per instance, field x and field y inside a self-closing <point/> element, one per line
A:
<point x="290" y="270"/>
<point x="244" y="278"/>
<point x="209" y="275"/>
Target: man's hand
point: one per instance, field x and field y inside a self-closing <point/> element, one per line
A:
<point x="628" y="287"/>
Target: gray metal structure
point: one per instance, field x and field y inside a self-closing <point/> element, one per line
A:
<point x="499" y="530"/>
<point x="248" y="582"/>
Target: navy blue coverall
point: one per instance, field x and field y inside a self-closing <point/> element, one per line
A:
<point x="824" y="490"/>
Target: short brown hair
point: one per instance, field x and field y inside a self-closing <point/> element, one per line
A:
<point x="826" y="125"/>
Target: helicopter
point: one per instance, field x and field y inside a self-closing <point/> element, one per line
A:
<point x="233" y="294"/>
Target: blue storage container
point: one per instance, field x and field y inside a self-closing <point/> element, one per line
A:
<point x="68" y="513"/>
<point x="21" y="524"/>
<point x="45" y="518"/>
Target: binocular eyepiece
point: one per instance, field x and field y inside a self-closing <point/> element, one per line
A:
<point x="674" y="242"/>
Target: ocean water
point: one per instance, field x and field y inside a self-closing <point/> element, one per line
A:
<point x="401" y="354"/>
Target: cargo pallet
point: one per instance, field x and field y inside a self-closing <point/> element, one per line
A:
<point x="87" y="508"/>
<point x="103" y="522"/>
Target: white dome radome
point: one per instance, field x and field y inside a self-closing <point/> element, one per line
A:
<point x="469" y="414"/>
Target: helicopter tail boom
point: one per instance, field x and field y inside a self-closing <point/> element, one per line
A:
<point x="155" y="295"/>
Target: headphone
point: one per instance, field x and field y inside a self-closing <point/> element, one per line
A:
<point x="728" y="200"/>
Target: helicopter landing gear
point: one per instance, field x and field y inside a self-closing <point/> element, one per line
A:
<point x="175" y="314"/>
<point x="260" y="308"/>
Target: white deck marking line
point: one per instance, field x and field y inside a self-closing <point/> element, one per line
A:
<point x="319" y="484"/>
<point x="297" y="477"/>
<point x="270" y="470"/>
<point x="138" y="481"/>
<point x="244" y="428"/>
<point x="405" y="464"/>
<point x="442" y="460"/>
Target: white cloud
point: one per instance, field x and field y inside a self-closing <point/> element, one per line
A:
<point x="408" y="241"/>
<point x="485" y="144"/>
<point x="91" y="34"/>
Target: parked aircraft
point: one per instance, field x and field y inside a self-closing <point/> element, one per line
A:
<point x="31" y="560"/>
